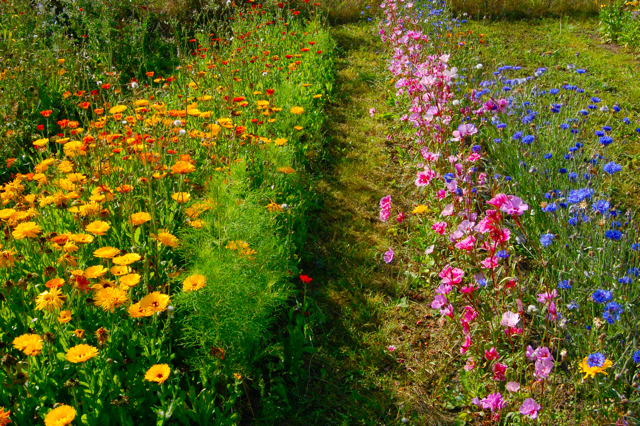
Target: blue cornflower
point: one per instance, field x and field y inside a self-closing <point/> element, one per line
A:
<point x="548" y="156"/>
<point x="626" y="120"/>
<point x="573" y="221"/>
<point x="612" y="312"/>
<point x="616" y="108"/>
<point x="572" y="176"/>
<point x="476" y="148"/>
<point x="517" y="136"/>
<point x="606" y="140"/>
<point x="600" y="133"/>
<point x="606" y="128"/>
<point x="497" y="140"/>
<point x="550" y="208"/>
<point x="554" y="91"/>
<point x="448" y="177"/>
<point x="581" y="71"/>
<point x="564" y="285"/>
<point x="564" y="126"/>
<point x="624" y="280"/>
<point x="613" y="234"/>
<point x="635" y="246"/>
<point x="601" y="206"/>
<point x="612" y="168"/>
<point x="502" y="254"/>
<point x="562" y="170"/>
<point x="601" y="296"/>
<point x="634" y="271"/>
<point x="528" y="139"/>
<point x="572" y="305"/>
<point x="546" y="239"/>
<point x="636" y="357"/>
<point x="596" y="359"/>
<point x="577" y="195"/>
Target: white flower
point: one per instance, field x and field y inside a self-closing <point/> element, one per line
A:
<point x="182" y="132"/>
<point x="177" y="123"/>
<point x="479" y="66"/>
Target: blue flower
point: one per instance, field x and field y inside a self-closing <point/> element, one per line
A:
<point x="517" y="136"/>
<point x="564" y="285"/>
<point x="624" y="280"/>
<point x="546" y="240"/>
<point x="596" y="359"/>
<point x="550" y="208"/>
<point x="600" y="133"/>
<point x="577" y="195"/>
<point x="497" y="140"/>
<point x="581" y="71"/>
<point x="548" y="156"/>
<point x="613" y="234"/>
<point x="634" y="271"/>
<point x="612" y="168"/>
<point x="606" y="128"/>
<point x="601" y="206"/>
<point x="448" y="177"/>
<point x="502" y="254"/>
<point x="528" y="139"/>
<point x="572" y="305"/>
<point x="612" y="312"/>
<point x="476" y="148"/>
<point x="635" y="246"/>
<point x="606" y="140"/>
<point x="626" y="120"/>
<point x="601" y="296"/>
<point x="636" y="357"/>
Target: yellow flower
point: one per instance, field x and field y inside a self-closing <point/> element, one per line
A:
<point x="26" y="230"/>
<point x="421" y="209"/>
<point x="592" y="371"/>
<point x="166" y="238"/>
<point x="280" y="141"/>
<point x="64" y="317"/>
<point x="140" y="218"/>
<point x="136" y="311"/>
<point x="274" y="207"/>
<point x="158" y="373"/>
<point x="50" y="300"/>
<point x="95" y="271"/>
<point x="181" y="197"/>
<point x="81" y="238"/>
<point x="4" y="417"/>
<point x="81" y="353"/>
<point x="110" y="298"/>
<point x="297" y="110"/>
<point x="60" y="416"/>
<point x="106" y="252"/>
<point x="127" y="259"/>
<point x="194" y="282"/>
<point x="98" y="227"/>
<point x="119" y="270"/>
<point x="30" y="344"/>
<point x="128" y="281"/>
<point x="155" y="302"/>
<point x="118" y="109"/>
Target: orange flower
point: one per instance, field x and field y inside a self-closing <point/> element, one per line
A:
<point x="98" y="227"/>
<point x="54" y="283"/>
<point x="81" y="353"/>
<point x="194" y="282"/>
<point x="136" y="311"/>
<point x="4" y="417"/>
<point x="124" y="189"/>
<point x="155" y="302"/>
<point x="158" y="373"/>
<point x="183" y="167"/>
<point x="166" y="238"/>
<point x="79" y="333"/>
<point x="140" y="218"/>
<point x="181" y="197"/>
<point x="64" y="317"/>
<point x="127" y="259"/>
<point x="106" y="252"/>
<point x="26" y="230"/>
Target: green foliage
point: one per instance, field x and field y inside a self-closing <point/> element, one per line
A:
<point x="620" y="22"/>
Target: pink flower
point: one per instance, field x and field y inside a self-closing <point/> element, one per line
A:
<point x="513" y="386"/>
<point x="439" y="227"/>
<point x="448" y="210"/>
<point x="372" y="112"/>
<point x="447" y="311"/>
<point x="498" y="201"/>
<point x="466" y="244"/>
<point x="493" y="401"/>
<point x="490" y="262"/>
<point x="481" y="178"/>
<point x="429" y="156"/>
<point x="469" y="289"/>
<point x="474" y="157"/>
<point x="467" y="343"/>
<point x="466" y="129"/>
<point x="470" y="365"/>
<point x="451" y="275"/>
<point x="444" y="289"/>
<point x="441" y="194"/>
<point x="543" y="367"/>
<point x="391" y="348"/>
<point x="388" y="256"/>
<point x="530" y="408"/>
<point x="498" y="372"/>
<point x="424" y="178"/>
<point x="439" y="301"/>
<point x="491" y="354"/>
<point x="514" y="207"/>
<point x="400" y="217"/>
<point x="510" y="319"/>
<point x="547" y="296"/>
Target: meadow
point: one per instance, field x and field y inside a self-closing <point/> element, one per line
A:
<point x="319" y="212"/>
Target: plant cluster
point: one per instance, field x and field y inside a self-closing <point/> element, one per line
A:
<point x="533" y="265"/>
<point x="620" y="22"/>
<point x="150" y="229"/>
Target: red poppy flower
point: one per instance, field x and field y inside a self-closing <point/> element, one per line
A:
<point x="305" y="279"/>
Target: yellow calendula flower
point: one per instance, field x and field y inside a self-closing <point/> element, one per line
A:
<point x="98" y="227"/>
<point x="140" y="218"/>
<point x="64" y="317"/>
<point x="50" y="300"/>
<point x="60" y="416"/>
<point x="158" y="373"/>
<point x="183" y="167"/>
<point x="129" y="280"/>
<point x="127" y="259"/>
<point x="95" y="271"/>
<point x="166" y="238"/>
<point x="81" y="353"/>
<point x="81" y="238"/>
<point x="155" y="302"/>
<point x="421" y="209"/>
<point x="280" y="141"/>
<point x="118" y="109"/>
<point x="110" y="298"/>
<point x="297" y="110"/>
<point x="181" y="197"/>
<point x="194" y="282"/>
<point x="26" y="230"/>
<point x="136" y="311"/>
<point x="30" y="344"/>
<point x="119" y="270"/>
<point x="106" y="252"/>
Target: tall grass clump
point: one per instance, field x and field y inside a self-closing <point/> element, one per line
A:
<point x="532" y="264"/>
<point x="516" y="9"/>
<point x="620" y="22"/>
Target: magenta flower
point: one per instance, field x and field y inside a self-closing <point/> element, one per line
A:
<point x="513" y="386"/>
<point x="498" y="372"/>
<point x="385" y="208"/>
<point x="493" y="401"/>
<point x="424" y="177"/>
<point x="466" y="244"/>
<point x="498" y="201"/>
<point x="491" y="354"/>
<point x="400" y="217"/>
<point x="388" y="256"/>
<point x="490" y="262"/>
<point x="514" y="207"/>
<point x="439" y="301"/>
<point x="451" y="275"/>
<point x="467" y="343"/>
<point x="530" y="408"/>
<point x="470" y="365"/>
<point x="372" y="112"/>
<point x="466" y="129"/>
<point x="439" y="227"/>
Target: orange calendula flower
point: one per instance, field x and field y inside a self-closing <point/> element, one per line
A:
<point x="98" y="227"/>
<point x="95" y="271"/>
<point x="26" y="230"/>
<point x="183" y="167"/>
<point x="123" y="189"/>
<point x="119" y="270"/>
<point x="50" y="300"/>
<point x="110" y="298"/>
<point x="155" y="302"/>
<point x="287" y="170"/>
<point x="166" y="238"/>
<point x="297" y="110"/>
<point x="81" y="353"/>
<point x="129" y="281"/>
<point x="127" y="259"/>
<point x="181" y="197"/>
<point x="60" y="416"/>
<point x="64" y="317"/>
<point x="194" y="282"/>
<point x="140" y="218"/>
<point x="81" y="238"/>
<point x="136" y="311"/>
<point x="118" y="109"/>
<point x="106" y="252"/>
<point x="54" y="283"/>
<point x="79" y="333"/>
<point x="30" y="344"/>
<point x="280" y="141"/>
<point x="4" y="417"/>
<point x="158" y="373"/>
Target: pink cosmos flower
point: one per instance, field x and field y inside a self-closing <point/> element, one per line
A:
<point x="514" y="207"/>
<point x="498" y="201"/>
<point x="493" y="401"/>
<point x="451" y="275"/>
<point x="513" y="386"/>
<point x="441" y="194"/>
<point x="543" y="368"/>
<point x="530" y="408"/>
<point x="510" y="319"/>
